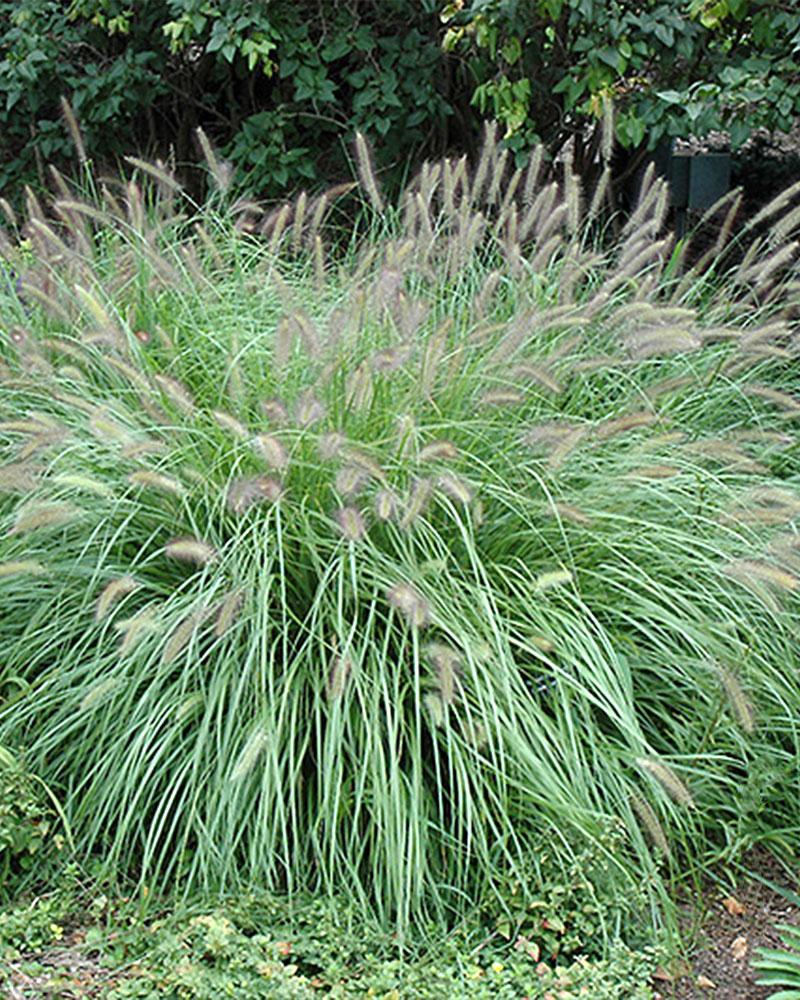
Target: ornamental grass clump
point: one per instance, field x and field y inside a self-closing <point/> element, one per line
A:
<point x="368" y="565"/>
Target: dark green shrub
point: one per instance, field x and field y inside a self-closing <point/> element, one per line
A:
<point x="278" y="85"/>
<point x="680" y="67"/>
<point x="281" y="86"/>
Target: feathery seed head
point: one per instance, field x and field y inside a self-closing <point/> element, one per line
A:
<point x="37" y="518"/>
<point x="536" y="373"/>
<point x="739" y="702"/>
<point x="385" y="505"/>
<point x="340" y="670"/>
<point x="501" y="397"/>
<point x="555" y="578"/>
<point x="330" y="445"/>
<point x="386" y="288"/>
<point x="96" y="694"/>
<point x="435" y="708"/>
<point x="183" y="633"/>
<point x="455" y="488"/>
<point x="790" y="404"/>
<point x="350" y="480"/>
<point x="220" y="171"/>
<point x="448" y="667"/>
<point x="668" y="385"/>
<point x="351" y="523"/>
<point x="432" y="357"/>
<point x="252" y="750"/>
<point x="271" y="450"/>
<point x="411" y="316"/>
<point x="390" y="359"/>
<point x="417" y="501"/>
<point x="475" y="733"/>
<point x="21" y="567"/>
<point x="228" y="612"/>
<point x="752" y="570"/>
<point x="188" y="707"/>
<point x="308" y="410"/>
<point x="358" y="388"/>
<point x="410" y="603"/>
<point x="767" y="505"/>
<point x="653" y="472"/>
<point x="148" y="479"/>
<point x="33" y="426"/>
<point x="248" y="490"/>
<point x="146" y="446"/>
<point x="438" y="451"/>
<point x="723" y="452"/>
<point x="191" y="550"/>
<point x="774" y="496"/>
<point x="300" y="206"/>
<point x="364" y="462"/>
<point x="650" y="822"/>
<point x="113" y="591"/>
<point x="154" y="170"/>
<point x="231" y="424"/>
<point x="275" y="224"/>
<point x="548" y="435"/>
<point x="41" y="442"/>
<point x="567" y="512"/>
<point x="132" y="630"/>
<point x="176" y="392"/>
<point x="275" y="411"/>
<point x="618" y="425"/>
<point x="366" y="172"/>
<point x="607" y="136"/>
<point x="285" y="335"/>
<point x="667" y="778"/>
<point x="307" y="332"/>
<point x="786" y="549"/>
<point x="661" y="340"/>
<point x="19" y="477"/>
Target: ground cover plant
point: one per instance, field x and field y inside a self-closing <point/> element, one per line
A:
<point x="257" y="945"/>
<point x="399" y="564"/>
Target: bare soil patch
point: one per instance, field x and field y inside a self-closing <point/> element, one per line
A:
<point x="733" y="926"/>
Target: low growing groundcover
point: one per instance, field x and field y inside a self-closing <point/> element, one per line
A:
<point x="76" y="941"/>
<point x="401" y="564"/>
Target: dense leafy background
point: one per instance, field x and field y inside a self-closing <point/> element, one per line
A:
<point x="281" y="86"/>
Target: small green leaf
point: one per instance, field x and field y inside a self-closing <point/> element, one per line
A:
<point x="511" y="50"/>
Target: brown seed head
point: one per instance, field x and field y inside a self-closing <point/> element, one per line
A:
<point x="111" y="593"/>
<point x="271" y="450"/>
<point x="350" y="480"/>
<point x="410" y="603"/>
<point x="191" y="550"/>
<point x="385" y="505"/>
<point x="351" y="523"/>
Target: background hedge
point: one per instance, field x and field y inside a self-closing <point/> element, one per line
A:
<point x="280" y="86"/>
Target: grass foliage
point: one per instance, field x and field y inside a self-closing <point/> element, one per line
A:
<point x="363" y="565"/>
<point x="781" y="967"/>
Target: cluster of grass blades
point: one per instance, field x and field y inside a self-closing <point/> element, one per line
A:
<point x="781" y="967"/>
<point x="372" y="567"/>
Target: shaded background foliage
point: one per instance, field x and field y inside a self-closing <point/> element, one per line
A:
<point x="280" y="86"/>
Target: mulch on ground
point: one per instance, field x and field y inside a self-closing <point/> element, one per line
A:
<point x="734" y="925"/>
